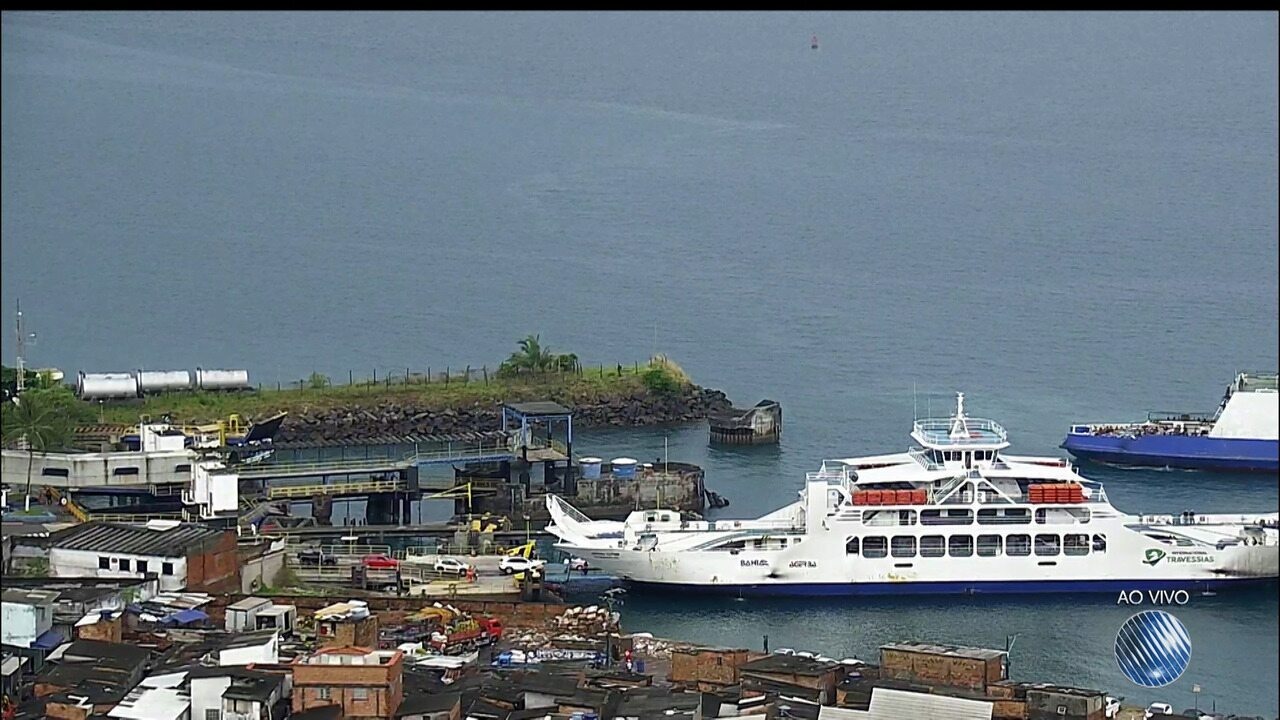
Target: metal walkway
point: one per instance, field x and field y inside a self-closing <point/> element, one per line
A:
<point x="491" y="452"/>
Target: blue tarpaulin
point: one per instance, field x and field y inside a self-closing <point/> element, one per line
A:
<point x="183" y="617"/>
<point x="47" y="641"/>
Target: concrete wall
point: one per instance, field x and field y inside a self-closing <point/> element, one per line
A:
<point x="84" y="563"/>
<point x="206" y="694"/>
<point x="268" y="652"/>
<point x="97" y="469"/>
<point x="21" y="624"/>
<point x="261" y="572"/>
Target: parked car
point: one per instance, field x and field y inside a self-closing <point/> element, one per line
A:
<point x="316" y="556"/>
<point x="517" y="564"/>
<point x="380" y="562"/>
<point x="576" y="564"/>
<point x="1157" y="708"/>
<point x="451" y="566"/>
<point x="1112" y="707"/>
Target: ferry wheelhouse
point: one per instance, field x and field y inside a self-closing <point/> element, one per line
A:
<point x="955" y="514"/>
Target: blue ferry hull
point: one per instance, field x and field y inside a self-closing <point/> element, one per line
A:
<point x="1177" y="451"/>
<point x="1018" y="587"/>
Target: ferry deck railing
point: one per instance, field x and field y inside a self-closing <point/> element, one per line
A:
<point x="938" y="431"/>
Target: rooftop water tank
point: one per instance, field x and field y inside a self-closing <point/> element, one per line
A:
<point x="590" y="468"/>
<point x="624" y="468"/>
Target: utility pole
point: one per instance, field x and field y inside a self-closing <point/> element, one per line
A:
<point x="22" y="372"/>
<point x="610" y="599"/>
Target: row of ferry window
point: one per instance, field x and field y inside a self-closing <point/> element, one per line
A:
<point x="1043" y="545"/>
<point x="957" y="455"/>
<point x="986" y="516"/>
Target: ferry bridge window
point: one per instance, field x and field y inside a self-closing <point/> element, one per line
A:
<point x="1075" y="544"/>
<point x="932" y="546"/>
<point x="851" y="546"/>
<point x="875" y="547"/>
<point x="1048" y="545"/>
<point x="988" y="545"/>
<point x="960" y="546"/>
<point x="1017" y="545"/>
<point x="903" y="546"/>
<point x="1099" y="543"/>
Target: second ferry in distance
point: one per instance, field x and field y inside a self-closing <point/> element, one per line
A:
<point x="1241" y="436"/>
<point x="954" y="515"/>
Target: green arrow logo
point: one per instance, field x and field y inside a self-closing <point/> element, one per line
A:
<point x="1154" y="556"/>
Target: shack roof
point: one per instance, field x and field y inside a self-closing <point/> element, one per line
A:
<point x="960" y="651"/>
<point x="117" y="538"/>
<point x="789" y="664"/>
<point x="257" y="686"/>
<point x="114" y="653"/>
<point x="249" y="603"/>
<point x="350" y="610"/>
<point x="539" y="408"/>
<point x="153" y="704"/>
<point x="422" y="703"/>
<point x="28" y="597"/>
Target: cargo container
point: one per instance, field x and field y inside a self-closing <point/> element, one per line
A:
<point x="106" y="386"/>
<point x="222" y="379"/>
<point x="156" y="381"/>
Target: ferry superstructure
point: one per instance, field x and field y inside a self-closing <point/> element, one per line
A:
<point x="1240" y="436"/>
<point x="954" y="515"/>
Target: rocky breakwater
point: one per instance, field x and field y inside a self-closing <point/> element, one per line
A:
<point x="399" y="417"/>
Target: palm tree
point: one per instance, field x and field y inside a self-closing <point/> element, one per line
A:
<point x="37" y="426"/>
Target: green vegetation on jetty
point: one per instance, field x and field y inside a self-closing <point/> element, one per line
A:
<point x="532" y="373"/>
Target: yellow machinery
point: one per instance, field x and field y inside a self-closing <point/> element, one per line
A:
<point x="525" y="551"/>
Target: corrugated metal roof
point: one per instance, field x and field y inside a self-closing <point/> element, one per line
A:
<point x="132" y="539"/>
<point x="888" y="704"/>
<point x="972" y="653"/>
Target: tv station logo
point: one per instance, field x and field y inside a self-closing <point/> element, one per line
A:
<point x="1153" y="648"/>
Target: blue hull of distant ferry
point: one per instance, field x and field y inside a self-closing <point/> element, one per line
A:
<point x="1177" y="451"/>
<point x="961" y="587"/>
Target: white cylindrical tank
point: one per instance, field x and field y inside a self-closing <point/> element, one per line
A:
<point x="104" y="386"/>
<point x="155" y="381"/>
<point x="222" y="379"/>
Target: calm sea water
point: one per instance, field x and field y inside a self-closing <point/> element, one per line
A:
<point x="1068" y="217"/>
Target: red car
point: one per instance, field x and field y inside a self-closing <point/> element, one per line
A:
<point x="380" y="562"/>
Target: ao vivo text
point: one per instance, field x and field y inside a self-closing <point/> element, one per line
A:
<point x="1153" y="597"/>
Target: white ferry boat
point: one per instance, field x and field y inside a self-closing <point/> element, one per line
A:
<point x="954" y="515"/>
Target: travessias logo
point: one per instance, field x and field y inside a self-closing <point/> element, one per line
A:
<point x="1154" y="556"/>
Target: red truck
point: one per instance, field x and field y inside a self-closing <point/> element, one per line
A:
<point x="467" y="635"/>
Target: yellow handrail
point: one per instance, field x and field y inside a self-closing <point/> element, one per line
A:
<point x="69" y="504"/>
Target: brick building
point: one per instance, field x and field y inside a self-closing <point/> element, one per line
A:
<point x="367" y="684"/>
